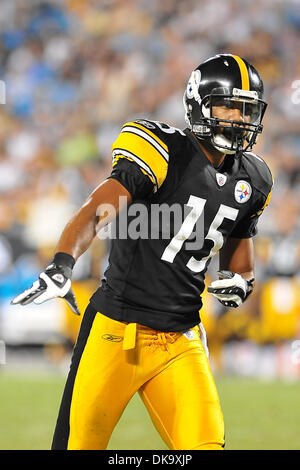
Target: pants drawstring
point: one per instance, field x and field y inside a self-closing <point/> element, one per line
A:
<point x="162" y="339"/>
<point x="129" y="340"/>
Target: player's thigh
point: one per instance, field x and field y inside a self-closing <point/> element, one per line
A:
<point x="102" y="387"/>
<point x="183" y="403"/>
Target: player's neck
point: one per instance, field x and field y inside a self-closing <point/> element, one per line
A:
<point x="213" y="155"/>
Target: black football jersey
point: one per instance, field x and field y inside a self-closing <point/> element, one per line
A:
<point x="155" y="276"/>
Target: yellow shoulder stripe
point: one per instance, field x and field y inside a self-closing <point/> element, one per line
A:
<point x="133" y="143"/>
<point x="267" y="200"/>
<point x="265" y="204"/>
<point x="118" y="157"/>
<point x="147" y="131"/>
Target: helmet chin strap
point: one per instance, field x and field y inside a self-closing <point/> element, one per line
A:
<point x="225" y="145"/>
<point x="222" y="144"/>
<point x="240" y="147"/>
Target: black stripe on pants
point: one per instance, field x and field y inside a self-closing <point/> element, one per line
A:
<point x="62" y="429"/>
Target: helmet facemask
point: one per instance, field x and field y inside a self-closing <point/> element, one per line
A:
<point x="205" y="118"/>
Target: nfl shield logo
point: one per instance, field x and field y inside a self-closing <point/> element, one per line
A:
<point x="221" y="179"/>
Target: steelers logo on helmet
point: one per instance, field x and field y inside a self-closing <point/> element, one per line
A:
<point x="193" y="84"/>
<point x="242" y="191"/>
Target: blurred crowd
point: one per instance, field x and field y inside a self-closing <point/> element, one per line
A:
<point x="76" y="70"/>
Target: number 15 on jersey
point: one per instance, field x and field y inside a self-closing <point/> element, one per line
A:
<point x="197" y="205"/>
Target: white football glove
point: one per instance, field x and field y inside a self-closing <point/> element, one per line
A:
<point x="231" y="289"/>
<point x="54" y="282"/>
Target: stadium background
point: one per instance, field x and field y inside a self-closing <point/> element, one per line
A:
<point x="74" y="72"/>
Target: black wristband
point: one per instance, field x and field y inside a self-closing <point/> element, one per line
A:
<point x="63" y="259"/>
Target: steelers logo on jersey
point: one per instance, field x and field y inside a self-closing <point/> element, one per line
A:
<point x="242" y="191"/>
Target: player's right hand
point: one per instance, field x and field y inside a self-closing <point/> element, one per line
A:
<point x="54" y="282"/>
<point x="231" y="289"/>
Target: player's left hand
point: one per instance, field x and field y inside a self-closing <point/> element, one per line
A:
<point x="54" y="282"/>
<point x="231" y="289"/>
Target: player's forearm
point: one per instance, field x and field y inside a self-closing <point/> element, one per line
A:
<point x="92" y="216"/>
<point x="78" y="233"/>
<point x="238" y="256"/>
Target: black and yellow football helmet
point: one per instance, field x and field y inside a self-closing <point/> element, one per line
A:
<point x="227" y="81"/>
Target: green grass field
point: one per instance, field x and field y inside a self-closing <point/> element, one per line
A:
<point x="258" y="415"/>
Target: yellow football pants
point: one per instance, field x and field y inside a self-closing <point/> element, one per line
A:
<point x="112" y="361"/>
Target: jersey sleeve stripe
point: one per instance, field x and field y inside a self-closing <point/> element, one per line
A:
<point x="148" y="132"/>
<point x="119" y="152"/>
<point x="267" y="200"/>
<point x="120" y="156"/>
<point x="143" y="151"/>
<point x="265" y="204"/>
<point x="151" y="140"/>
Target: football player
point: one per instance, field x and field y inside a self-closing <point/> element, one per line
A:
<point x="140" y="331"/>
